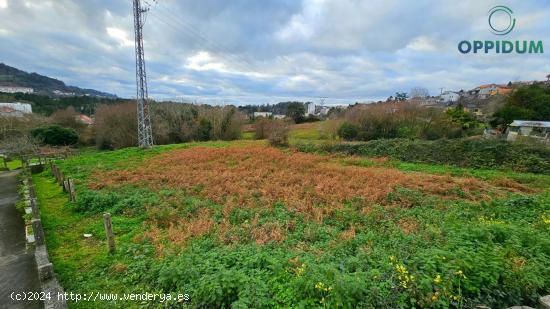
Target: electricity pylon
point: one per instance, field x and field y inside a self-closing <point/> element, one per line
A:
<point x="145" y="133"/>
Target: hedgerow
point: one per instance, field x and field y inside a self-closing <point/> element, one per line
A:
<point x="534" y="158"/>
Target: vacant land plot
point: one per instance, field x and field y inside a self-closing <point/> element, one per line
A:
<point x="246" y="225"/>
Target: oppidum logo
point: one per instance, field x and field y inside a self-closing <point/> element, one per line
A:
<point x="501" y="22"/>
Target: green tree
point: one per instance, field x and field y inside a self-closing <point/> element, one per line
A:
<point x="348" y="131"/>
<point x="55" y="135"/>
<point x="459" y="116"/>
<point x="204" y="130"/>
<point x="296" y="111"/>
<point x="401" y="96"/>
<point x="526" y="103"/>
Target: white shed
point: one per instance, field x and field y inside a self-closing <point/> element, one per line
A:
<point x="534" y="129"/>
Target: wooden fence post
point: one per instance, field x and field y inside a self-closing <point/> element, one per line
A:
<point x="72" y="191"/>
<point x="54" y="171"/>
<point x="109" y="232"/>
<point x="61" y="178"/>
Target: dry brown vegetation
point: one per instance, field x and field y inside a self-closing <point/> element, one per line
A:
<point x="262" y="175"/>
<point x="257" y="177"/>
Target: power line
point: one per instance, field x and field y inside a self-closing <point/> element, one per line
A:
<point x="145" y="133"/>
<point x="170" y="19"/>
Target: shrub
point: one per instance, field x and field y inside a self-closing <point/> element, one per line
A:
<point x="261" y="128"/>
<point x="348" y="131"/>
<point x="278" y="133"/>
<point x="409" y="120"/>
<point x="55" y="135"/>
<point x="274" y="130"/>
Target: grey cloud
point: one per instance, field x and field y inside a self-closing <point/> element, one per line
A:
<point x="262" y="51"/>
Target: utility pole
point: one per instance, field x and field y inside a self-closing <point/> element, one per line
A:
<point x="145" y="133"/>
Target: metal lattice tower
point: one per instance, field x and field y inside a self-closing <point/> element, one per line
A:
<point x="145" y="133"/>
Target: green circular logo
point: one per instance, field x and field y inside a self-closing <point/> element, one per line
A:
<point x="497" y="28"/>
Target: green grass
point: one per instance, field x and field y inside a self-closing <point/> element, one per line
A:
<point x="305" y="134"/>
<point x="12" y="165"/>
<point x="247" y="135"/>
<point x="412" y="250"/>
<point x="83" y="265"/>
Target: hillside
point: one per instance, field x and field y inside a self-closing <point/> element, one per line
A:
<point x="12" y="77"/>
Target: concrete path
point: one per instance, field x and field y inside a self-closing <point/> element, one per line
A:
<point x="17" y="265"/>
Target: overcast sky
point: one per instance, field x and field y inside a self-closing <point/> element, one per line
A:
<point x="259" y="51"/>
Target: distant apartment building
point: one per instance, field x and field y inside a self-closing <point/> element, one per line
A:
<point x="310" y="108"/>
<point x="9" y="89"/>
<point x="62" y="93"/>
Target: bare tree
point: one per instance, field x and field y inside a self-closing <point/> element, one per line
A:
<point x="20" y="146"/>
<point x="419" y="93"/>
<point x="116" y="126"/>
<point x="67" y="118"/>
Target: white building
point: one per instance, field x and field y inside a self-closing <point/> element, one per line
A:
<point x="61" y="93"/>
<point x="323" y="110"/>
<point x="486" y="90"/>
<point x="310" y="108"/>
<point x="8" y="89"/>
<point x="262" y="114"/>
<point x="449" y="96"/>
<point x="24" y="108"/>
<point x="276" y="116"/>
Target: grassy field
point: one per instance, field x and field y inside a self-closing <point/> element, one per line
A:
<point x="241" y="224"/>
<point x="13" y="164"/>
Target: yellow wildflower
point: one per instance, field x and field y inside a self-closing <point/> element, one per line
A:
<point x="437" y="279"/>
<point x="460" y="274"/>
<point x="300" y="270"/>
